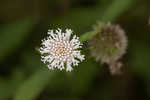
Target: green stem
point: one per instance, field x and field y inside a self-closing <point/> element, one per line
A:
<point x="87" y="36"/>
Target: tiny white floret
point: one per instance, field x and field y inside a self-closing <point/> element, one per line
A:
<point x="61" y="51"/>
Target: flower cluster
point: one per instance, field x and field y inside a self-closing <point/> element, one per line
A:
<point x="61" y="51"/>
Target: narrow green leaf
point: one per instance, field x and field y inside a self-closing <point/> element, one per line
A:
<point x="8" y="86"/>
<point x="116" y="9"/>
<point x="33" y="86"/>
<point x="13" y="35"/>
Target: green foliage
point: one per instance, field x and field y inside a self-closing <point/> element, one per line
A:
<point x="87" y="36"/>
<point x="8" y="86"/>
<point x="13" y="35"/>
<point x="116" y="9"/>
<point x="31" y="87"/>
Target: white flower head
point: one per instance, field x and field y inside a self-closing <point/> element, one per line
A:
<point x="61" y="51"/>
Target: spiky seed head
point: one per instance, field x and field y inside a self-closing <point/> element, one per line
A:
<point x="109" y="44"/>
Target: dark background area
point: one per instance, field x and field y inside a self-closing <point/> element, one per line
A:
<point x="23" y="23"/>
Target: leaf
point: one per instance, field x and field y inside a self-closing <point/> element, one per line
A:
<point x="13" y="35"/>
<point x="116" y="9"/>
<point x="33" y="86"/>
<point x="8" y="86"/>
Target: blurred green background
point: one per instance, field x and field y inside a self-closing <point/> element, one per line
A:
<point x="23" y="23"/>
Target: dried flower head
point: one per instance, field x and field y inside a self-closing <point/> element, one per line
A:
<point x="109" y="44"/>
<point x="60" y="51"/>
<point x="116" y="68"/>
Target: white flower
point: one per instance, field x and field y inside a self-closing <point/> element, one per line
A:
<point x="60" y="51"/>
